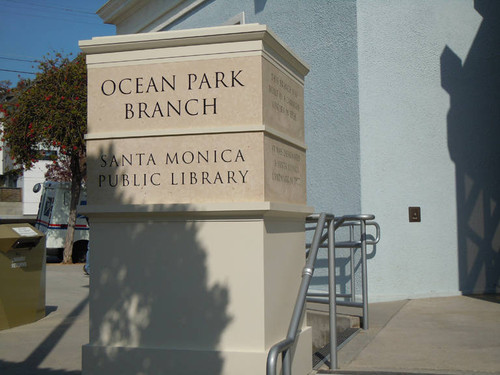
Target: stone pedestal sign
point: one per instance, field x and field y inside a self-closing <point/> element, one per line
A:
<point x="197" y="200"/>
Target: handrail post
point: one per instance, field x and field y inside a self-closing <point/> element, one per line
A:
<point x="332" y="289"/>
<point x="285" y="346"/>
<point x="287" y="362"/>
<point x="298" y="310"/>
<point x="353" y="269"/>
<point x="364" y="274"/>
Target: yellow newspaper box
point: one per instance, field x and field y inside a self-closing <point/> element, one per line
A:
<point x="22" y="275"/>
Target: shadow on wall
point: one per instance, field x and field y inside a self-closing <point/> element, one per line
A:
<point x="474" y="145"/>
<point x="159" y="297"/>
<point x="177" y="22"/>
<point x="348" y="278"/>
<point x="259" y="5"/>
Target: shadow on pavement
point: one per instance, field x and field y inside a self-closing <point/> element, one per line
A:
<point x="50" y="310"/>
<point x="23" y="368"/>
<point x="30" y="365"/>
<point x="495" y="298"/>
<point x="343" y="372"/>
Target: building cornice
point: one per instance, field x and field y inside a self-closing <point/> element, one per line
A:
<point x="214" y="35"/>
<point x="138" y="16"/>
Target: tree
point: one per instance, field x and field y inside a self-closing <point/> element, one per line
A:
<point x="4" y="89"/>
<point x="50" y="112"/>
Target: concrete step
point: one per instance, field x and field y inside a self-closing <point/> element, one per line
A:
<point x="318" y="319"/>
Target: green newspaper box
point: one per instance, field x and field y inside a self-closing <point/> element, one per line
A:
<point x="22" y="275"/>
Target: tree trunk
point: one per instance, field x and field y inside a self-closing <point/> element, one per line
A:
<point x="76" y="186"/>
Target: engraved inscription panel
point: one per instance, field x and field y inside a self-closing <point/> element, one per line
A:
<point x="283" y="107"/>
<point x="173" y="95"/>
<point x="176" y="169"/>
<point x="285" y="172"/>
<point x="201" y="167"/>
<point x="231" y="167"/>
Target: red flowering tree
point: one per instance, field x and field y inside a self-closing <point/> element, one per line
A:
<point x="50" y="112"/>
<point x="4" y="88"/>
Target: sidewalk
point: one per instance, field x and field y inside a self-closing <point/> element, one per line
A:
<point x="52" y="345"/>
<point x="453" y="335"/>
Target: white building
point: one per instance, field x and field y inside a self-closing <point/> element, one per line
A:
<point x="29" y="204"/>
<point x="402" y="109"/>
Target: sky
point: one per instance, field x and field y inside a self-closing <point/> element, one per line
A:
<point x="29" y="29"/>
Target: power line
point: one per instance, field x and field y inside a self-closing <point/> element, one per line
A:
<point x="44" y="6"/>
<point x="49" y="17"/>
<point x="41" y="11"/>
<point x="14" y="59"/>
<point x="16" y="71"/>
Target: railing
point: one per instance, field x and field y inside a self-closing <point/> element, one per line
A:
<point x="283" y="347"/>
<point x="352" y="221"/>
<point x="331" y="224"/>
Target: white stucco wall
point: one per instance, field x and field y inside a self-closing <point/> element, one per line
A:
<point x="395" y="92"/>
<point x="405" y="159"/>
<point x="323" y="34"/>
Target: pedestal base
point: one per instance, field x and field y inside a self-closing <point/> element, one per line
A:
<point x="172" y="293"/>
<point x="105" y="360"/>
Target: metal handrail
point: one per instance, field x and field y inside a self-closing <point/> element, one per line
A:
<point x="351" y="221"/>
<point x="307" y="273"/>
<point x="331" y="223"/>
<point x="351" y="244"/>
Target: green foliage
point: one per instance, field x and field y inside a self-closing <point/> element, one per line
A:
<point x="49" y="112"/>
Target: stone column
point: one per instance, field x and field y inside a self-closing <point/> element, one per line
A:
<point x="197" y="200"/>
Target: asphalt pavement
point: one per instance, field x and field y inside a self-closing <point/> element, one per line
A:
<point x="452" y="335"/>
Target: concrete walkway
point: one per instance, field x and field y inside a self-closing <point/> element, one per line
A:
<point x="52" y="345"/>
<point x="453" y="335"/>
